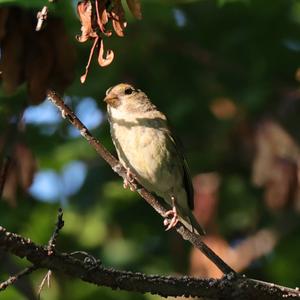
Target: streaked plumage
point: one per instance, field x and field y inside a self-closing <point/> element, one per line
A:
<point x="146" y="146"/>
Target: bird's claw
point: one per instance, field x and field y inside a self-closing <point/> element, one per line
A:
<point x="117" y="168"/>
<point x="129" y="181"/>
<point x="171" y="223"/>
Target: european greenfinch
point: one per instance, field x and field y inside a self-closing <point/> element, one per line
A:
<point x="147" y="148"/>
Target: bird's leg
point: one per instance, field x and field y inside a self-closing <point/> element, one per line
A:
<point x="129" y="181"/>
<point x="173" y="212"/>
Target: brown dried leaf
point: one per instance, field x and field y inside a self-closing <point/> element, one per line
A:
<point x="201" y="266"/>
<point x="272" y="142"/>
<point x="206" y="188"/>
<point x="118" y="17"/>
<point x="102" y="17"/>
<point x="63" y="70"/>
<point x="4" y="12"/>
<point x="11" y="185"/>
<point x="26" y="165"/>
<point x="239" y="257"/>
<point x="12" y="52"/>
<point x="39" y="63"/>
<point x="223" y="108"/>
<point x="135" y="8"/>
<point x="275" y="165"/>
<point x="20" y="172"/>
<point x="84" y="10"/>
<point x="105" y="61"/>
<point x="282" y="184"/>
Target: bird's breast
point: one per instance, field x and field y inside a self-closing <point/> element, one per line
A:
<point x="144" y="150"/>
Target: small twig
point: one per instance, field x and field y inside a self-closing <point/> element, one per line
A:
<point x="47" y="278"/>
<point x="121" y="171"/>
<point x="4" y="174"/>
<point x="41" y="16"/>
<point x="58" y="226"/>
<point x="12" y="279"/>
<point x="51" y="247"/>
<point x="87" y="258"/>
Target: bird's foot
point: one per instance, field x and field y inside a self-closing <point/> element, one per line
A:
<point x="171" y="223"/>
<point x="129" y="181"/>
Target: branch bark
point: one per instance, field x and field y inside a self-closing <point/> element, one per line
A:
<point x="229" y="287"/>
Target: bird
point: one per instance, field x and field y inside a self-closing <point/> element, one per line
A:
<point x="149" y="151"/>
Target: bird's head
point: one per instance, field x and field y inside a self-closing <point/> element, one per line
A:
<point x="124" y="98"/>
<point x="121" y="94"/>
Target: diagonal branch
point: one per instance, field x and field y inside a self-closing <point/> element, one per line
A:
<point x="121" y="171"/>
<point x="229" y="287"/>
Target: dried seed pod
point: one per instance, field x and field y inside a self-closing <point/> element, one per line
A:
<point x="64" y="55"/>
<point x="20" y="171"/>
<point x="12" y="52"/>
<point x="43" y="59"/>
<point x="118" y="17"/>
<point x="95" y="18"/>
<point x="39" y="64"/>
<point x="11" y="185"/>
<point x="84" y="10"/>
<point x="26" y="164"/>
<point x="4" y="13"/>
<point x="107" y="60"/>
<point x="102" y="17"/>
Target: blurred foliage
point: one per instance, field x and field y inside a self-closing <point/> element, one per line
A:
<point x="218" y="69"/>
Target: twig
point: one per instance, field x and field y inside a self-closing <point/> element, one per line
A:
<point x="12" y="279"/>
<point x="51" y="247"/>
<point x="4" y="173"/>
<point x="46" y="277"/>
<point x="58" y="226"/>
<point x="120" y="170"/>
<point x="233" y="288"/>
<point x="41" y="16"/>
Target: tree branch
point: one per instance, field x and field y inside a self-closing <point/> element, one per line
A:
<point x="229" y="287"/>
<point x="12" y="279"/>
<point x="121" y="171"/>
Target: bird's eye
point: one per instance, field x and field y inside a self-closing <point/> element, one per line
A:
<point x="128" y="91"/>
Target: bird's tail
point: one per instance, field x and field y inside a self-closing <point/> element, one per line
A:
<point x="195" y="225"/>
<point x="191" y="223"/>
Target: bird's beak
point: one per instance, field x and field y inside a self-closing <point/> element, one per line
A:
<point x="109" y="98"/>
<point x="112" y="100"/>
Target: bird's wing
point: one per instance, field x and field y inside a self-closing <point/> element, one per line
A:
<point x="178" y="148"/>
<point x="186" y="172"/>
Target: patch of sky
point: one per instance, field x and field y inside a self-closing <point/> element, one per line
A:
<point x="88" y="113"/>
<point x="292" y="44"/>
<point x="179" y="17"/>
<point x="44" y="113"/>
<point x="51" y="186"/>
